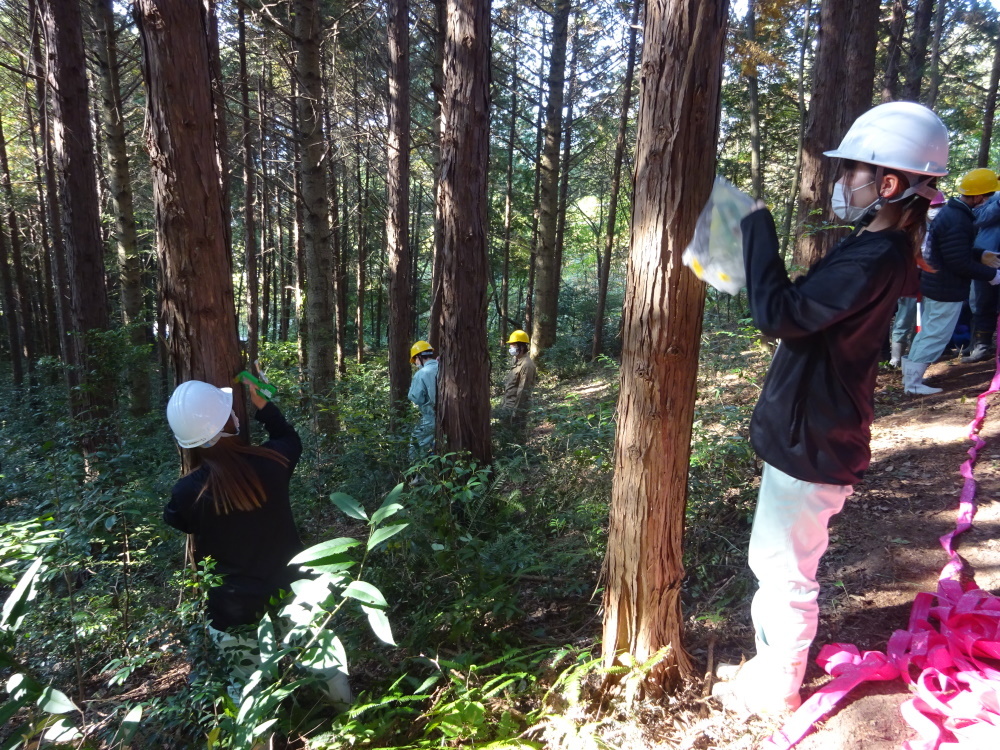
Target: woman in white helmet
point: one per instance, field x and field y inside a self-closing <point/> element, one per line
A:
<point x="811" y="424"/>
<point x="235" y="502"/>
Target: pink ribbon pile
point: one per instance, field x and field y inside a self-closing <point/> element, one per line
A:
<point x="949" y="656"/>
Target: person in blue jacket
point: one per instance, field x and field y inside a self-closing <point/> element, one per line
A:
<point x="811" y="425"/>
<point x="423" y="394"/>
<point x="955" y="260"/>
<point x="983" y="297"/>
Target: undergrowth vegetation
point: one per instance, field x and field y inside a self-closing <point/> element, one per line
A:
<point x="462" y="600"/>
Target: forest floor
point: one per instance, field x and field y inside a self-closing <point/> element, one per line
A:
<point x="884" y="550"/>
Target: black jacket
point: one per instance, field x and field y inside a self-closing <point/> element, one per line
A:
<point x="953" y="255"/>
<point x="251" y="548"/>
<point x="813" y="416"/>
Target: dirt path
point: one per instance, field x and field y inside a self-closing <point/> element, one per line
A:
<point x="885" y="549"/>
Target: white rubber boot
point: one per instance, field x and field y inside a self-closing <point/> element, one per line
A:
<point x="896" y="353"/>
<point x="913" y="379"/>
<point x="765" y="685"/>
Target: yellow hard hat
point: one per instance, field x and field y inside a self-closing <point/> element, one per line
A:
<point x="978" y="182"/>
<point x="419" y="348"/>
<point x="519" y="337"/>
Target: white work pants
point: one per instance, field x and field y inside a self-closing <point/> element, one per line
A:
<point x="937" y="324"/>
<point x="788" y="539"/>
<point x="243" y="657"/>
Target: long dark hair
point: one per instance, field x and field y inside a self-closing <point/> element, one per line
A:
<point x="913" y="217"/>
<point x="231" y="482"/>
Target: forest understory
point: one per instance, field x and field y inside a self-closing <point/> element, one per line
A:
<point x="494" y="592"/>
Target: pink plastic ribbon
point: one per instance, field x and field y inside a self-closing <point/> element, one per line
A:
<point x="956" y="694"/>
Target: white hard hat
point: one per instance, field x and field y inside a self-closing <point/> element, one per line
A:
<point x="198" y="411"/>
<point x="901" y="135"/>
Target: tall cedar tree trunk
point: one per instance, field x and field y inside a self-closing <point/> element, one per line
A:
<point x="508" y="208"/>
<point x="679" y="105"/>
<point x="10" y="315"/>
<point x="604" y="272"/>
<point x="756" y="178"/>
<point x="990" y="110"/>
<point x="846" y="42"/>
<point x="50" y="331"/>
<point x="546" y="307"/>
<point x="918" y="49"/>
<point x="60" y="279"/>
<point x="196" y="275"/>
<point x="298" y="246"/>
<point x="934" y="70"/>
<point x="529" y="305"/>
<point x="437" y="86"/>
<point x="565" y="162"/>
<point x="120" y="184"/>
<point x="800" y="99"/>
<point x="23" y="314"/>
<point x="316" y="217"/>
<point x="463" y="403"/>
<point x="74" y="160"/>
<point x="897" y="25"/>
<point x="249" y="193"/>
<point x="398" y="213"/>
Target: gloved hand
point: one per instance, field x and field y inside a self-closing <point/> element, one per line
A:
<point x="996" y="279"/>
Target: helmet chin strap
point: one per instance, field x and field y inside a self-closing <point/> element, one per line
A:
<point x="922" y="188"/>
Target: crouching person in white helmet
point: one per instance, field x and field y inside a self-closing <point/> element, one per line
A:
<point x="811" y="424"/>
<point x="235" y="506"/>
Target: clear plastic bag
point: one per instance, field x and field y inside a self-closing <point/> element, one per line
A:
<point x="716" y="250"/>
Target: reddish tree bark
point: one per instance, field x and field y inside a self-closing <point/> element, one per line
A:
<point x="74" y="161"/>
<point x="679" y="105"/>
<point x="196" y="286"/>
<point x="463" y="405"/>
<point x="398" y="215"/>
<point x="846" y="41"/>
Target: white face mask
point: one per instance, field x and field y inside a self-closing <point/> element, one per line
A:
<point x="513" y="351"/>
<point x="214" y="440"/>
<point x="932" y="213"/>
<point x="841" y="202"/>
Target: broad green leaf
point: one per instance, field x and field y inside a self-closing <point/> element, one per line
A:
<point x="245" y="708"/>
<point x="384" y="512"/>
<point x="333" y="567"/>
<point x="110" y="521"/>
<point x="312" y="591"/>
<point x="261" y="728"/>
<point x="10" y="708"/>
<point x="380" y="535"/>
<point x="325" y="653"/>
<point x="129" y="726"/>
<point x="349" y="505"/>
<point x="24" y="592"/>
<point x="319" y="552"/>
<point x="389" y="506"/>
<point x="61" y="731"/>
<point x="380" y="624"/>
<point x="53" y="701"/>
<point x="365" y="592"/>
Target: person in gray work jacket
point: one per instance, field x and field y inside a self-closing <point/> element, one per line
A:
<point x="423" y="394"/>
<point x="811" y="425"/>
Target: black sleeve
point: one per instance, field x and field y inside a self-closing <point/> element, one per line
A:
<point x="957" y="253"/>
<point x="282" y="437"/>
<point x="178" y="512"/>
<point x="792" y="310"/>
